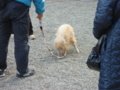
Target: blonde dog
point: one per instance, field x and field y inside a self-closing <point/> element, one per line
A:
<point x="64" y="38"/>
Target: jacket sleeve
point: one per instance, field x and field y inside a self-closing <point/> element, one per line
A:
<point x="103" y="17"/>
<point x="39" y="5"/>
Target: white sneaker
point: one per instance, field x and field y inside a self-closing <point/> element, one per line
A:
<point x="32" y="37"/>
<point x="12" y="35"/>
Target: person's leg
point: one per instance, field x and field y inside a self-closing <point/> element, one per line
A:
<point x="31" y="27"/>
<point x="5" y="31"/>
<point x="31" y="35"/>
<point x="20" y="29"/>
<point x="20" y="24"/>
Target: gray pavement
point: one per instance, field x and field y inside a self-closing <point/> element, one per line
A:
<point x="69" y="73"/>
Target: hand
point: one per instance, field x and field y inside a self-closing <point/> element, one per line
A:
<point x="40" y="16"/>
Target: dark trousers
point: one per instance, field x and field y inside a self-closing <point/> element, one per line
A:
<point x="30" y="28"/>
<point x="15" y="17"/>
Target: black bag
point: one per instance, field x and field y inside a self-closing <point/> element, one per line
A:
<point x="93" y="61"/>
<point x="3" y="3"/>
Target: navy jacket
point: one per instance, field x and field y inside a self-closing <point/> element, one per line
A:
<point x="110" y="54"/>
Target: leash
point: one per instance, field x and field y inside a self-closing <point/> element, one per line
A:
<point x="41" y="28"/>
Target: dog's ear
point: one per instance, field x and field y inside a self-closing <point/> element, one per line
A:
<point x="64" y="41"/>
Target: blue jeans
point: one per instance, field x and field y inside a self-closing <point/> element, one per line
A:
<point x="15" y="17"/>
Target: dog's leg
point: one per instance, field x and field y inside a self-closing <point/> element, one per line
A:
<point x="73" y="42"/>
<point x="76" y="48"/>
<point x="65" y="53"/>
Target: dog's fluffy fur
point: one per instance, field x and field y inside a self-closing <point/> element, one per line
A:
<point x="64" y="38"/>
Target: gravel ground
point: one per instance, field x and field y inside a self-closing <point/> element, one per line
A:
<point x="69" y="73"/>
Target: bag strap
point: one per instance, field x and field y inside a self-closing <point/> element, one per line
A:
<point x="100" y="42"/>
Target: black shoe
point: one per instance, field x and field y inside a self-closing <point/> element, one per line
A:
<point x="2" y="73"/>
<point x="27" y="74"/>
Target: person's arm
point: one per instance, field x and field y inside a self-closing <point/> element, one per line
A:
<point x="40" y="7"/>
<point x="103" y="17"/>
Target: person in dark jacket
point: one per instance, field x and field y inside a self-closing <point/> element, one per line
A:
<point x="15" y="16"/>
<point x="110" y="54"/>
